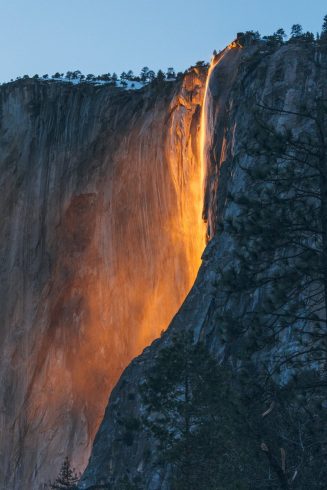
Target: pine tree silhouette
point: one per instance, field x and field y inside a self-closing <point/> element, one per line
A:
<point x="67" y="478"/>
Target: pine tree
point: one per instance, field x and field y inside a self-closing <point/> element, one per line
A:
<point x="280" y="235"/>
<point x="192" y="417"/>
<point x="114" y="78"/>
<point x="280" y="35"/>
<point x="296" y="31"/>
<point x="218" y="431"/>
<point x="130" y="75"/>
<point x="275" y="39"/>
<point x="161" y="76"/>
<point x="67" y="478"/>
<point x="170" y="73"/>
<point x="217" y="428"/>
<point x="144" y="74"/>
<point x="308" y="37"/>
<point x="125" y="483"/>
<point x="272" y="298"/>
<point x="323" y="36"/>
<point x="76" y="74"/>
<point x="151" y="75"/>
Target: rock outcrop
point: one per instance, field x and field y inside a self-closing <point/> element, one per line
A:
<point x="101" y="202"/>
<point x="282" y="78"/>
<point x="101" y="239"/>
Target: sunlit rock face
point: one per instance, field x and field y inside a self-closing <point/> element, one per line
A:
<point x="101" y="239"/>
<point x="239" y="77"/>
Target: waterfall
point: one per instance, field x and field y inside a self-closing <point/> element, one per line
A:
<point x="207" y="129"/>
<point x="104" y="238"/>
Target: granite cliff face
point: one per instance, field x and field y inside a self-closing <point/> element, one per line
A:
<point x="101" y="202"/>
<point x="102" y="236"/>
<point x="280" y="78"/>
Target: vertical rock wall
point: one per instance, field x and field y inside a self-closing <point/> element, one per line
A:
<point x="283" y="77"/>
<point x="102" y="236"/>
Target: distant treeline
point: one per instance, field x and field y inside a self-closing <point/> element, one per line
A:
<point x="297" y="34"/>
<point x="124" y="79"/>
<point x="147" y="75"/>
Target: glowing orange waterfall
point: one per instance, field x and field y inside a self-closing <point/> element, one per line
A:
<point x="210" y="114"/>
<point x="123" y="240"/>
<point x="207" y="119"/>
<point x="184" y="227"/>
<point x="204" y="125"/>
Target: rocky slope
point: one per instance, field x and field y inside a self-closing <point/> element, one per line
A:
<point x="101" y="240"/>
<point x="282" y="78"/>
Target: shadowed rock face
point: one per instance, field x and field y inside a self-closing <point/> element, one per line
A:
<point x="284" y="78"/>
<point x="101" y="239"/>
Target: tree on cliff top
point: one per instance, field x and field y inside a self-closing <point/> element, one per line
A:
<point x="280" y="34"/>
<point x="67" y="478"/>
<point x="275" y="39"/>
<point x="324" y="30"/>
<point x="161" y="76"/>
<point x="296" y="31"/>
<point x="144" y="74"/>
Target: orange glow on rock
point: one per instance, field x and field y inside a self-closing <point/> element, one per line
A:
<point x="207" y="120"/>
<point x="126" y="255"/>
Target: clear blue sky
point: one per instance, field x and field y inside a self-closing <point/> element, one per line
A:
<point x="100" y="36"/>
